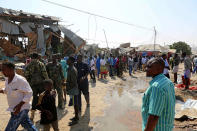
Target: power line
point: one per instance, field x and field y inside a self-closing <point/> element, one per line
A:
<point x="108" y="18"/>
<point x="102" y="41"/>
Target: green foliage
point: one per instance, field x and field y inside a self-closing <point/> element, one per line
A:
<point x="181" y="47"/>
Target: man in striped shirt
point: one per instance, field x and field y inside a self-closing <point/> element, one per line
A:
<point x="158" y="108"/>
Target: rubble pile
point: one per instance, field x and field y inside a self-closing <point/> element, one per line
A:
<point x="186" y="116"/>
<point x="22" y="36"/>
<point x="8" y="48"/>
<point x="185" y="95"/>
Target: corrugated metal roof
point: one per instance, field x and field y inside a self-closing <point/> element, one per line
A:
<point x="78" y="41"/>
<point x="150" y="47"/>
<point x="15" y="13"/>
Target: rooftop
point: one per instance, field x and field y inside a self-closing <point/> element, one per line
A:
<point x="20" y="16"/>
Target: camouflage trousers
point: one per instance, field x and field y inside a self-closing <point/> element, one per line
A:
<point x="60" y="95"/>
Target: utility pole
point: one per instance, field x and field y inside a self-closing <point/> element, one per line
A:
<point x="155" y="34"/>
<point x="106" y="39"/>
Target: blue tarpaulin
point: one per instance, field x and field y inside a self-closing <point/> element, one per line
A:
<point x="144" y="53"/>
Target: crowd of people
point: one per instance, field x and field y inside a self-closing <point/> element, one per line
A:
<point x="69" y="76"/>
<point x="115" y="65"/>
<point x="42" y="79"/>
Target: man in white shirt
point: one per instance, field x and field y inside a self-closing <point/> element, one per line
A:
<point x="19" y="94"/>
<point x="167" y="67"/>
<point x="92" y="69"/>
<point x="130" y="63"/>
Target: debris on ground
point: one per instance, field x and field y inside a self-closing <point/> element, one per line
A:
<point x="185" y="95"/>
<point x="186" y="117"/>
<point x="9" y="48"/>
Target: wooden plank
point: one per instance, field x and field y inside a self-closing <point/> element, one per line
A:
<point x="69" y="43"/>
<point x="79" y="48"/>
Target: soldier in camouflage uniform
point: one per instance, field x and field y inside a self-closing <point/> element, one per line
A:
<point x="55" y="73"/>
<point x="35" y="73"/>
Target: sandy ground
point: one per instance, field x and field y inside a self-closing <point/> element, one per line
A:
<point x="86" y="123"/>
<point x="115" y="106"/>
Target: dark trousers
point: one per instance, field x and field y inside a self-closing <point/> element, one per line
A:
<point x="130" y="69"/>
<point x="83" y="88"/>
<point x="140" y="66"/>
<point x="175" y="77"/>
<point x="98" y="71"/>
<point x="118" y="71"/>
<point x="92" y="74"/>
<point x="110" y="70"/>
<point x="37" y="89"/>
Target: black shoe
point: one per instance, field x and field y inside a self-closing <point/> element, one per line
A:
<point x="74" y="119"/>
<point x="73" y="123"/>
<point x="70" y="102"/>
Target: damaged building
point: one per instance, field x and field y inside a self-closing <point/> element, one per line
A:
<point x="23" y="33"/>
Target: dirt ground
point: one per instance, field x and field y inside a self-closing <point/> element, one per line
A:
<point x="86" y="123"/>
<point x="104" y="113"/>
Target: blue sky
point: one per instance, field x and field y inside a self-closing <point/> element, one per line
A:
<point x="175" y="20"/>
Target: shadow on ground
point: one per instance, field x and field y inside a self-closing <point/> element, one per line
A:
<point x="84" y="121"/>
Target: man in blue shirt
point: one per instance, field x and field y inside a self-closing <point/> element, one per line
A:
<point x="158" y="108"/>
<point x="98" y="65"/>
<point x="64" y="68"/>
<point x="110" y="61"/>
